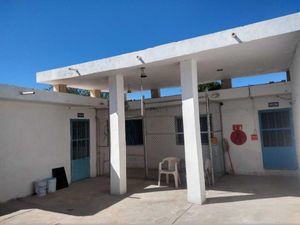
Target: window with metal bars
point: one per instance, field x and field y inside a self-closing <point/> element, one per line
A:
<point x="203" y="125"/>
<point x="80" y="138"/>
<point x="134" y="132"/>
<point x="275" y="128"/>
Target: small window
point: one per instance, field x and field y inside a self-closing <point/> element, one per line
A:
<point x="134" y="132"/>
<point x="203" y="126"/>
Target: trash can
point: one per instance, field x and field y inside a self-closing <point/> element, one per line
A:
<point x="40" y="187"/>
<point x="51" y="184"/>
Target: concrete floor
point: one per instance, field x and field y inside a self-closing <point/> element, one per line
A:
<point x="233" y="200"/>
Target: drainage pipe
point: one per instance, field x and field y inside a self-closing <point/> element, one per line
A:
<point x="222" y="136"/>
<point x="97" y="143"/>
<point x="209" y="139"/>
<point x="144" y="121"/>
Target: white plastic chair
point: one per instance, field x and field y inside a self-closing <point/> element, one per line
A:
<point x="172" y="169"/>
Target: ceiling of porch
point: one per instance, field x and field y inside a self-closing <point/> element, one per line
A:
<point x="267" y="54"/>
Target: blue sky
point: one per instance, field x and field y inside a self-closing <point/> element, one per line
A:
<point x="40" y="35"/>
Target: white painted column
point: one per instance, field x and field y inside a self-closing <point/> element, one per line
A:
<point x="118" y="178"/>
<point x="191" y="127"/>
<point x="295" y="82"/>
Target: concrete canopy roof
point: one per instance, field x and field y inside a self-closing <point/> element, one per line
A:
<point x="266" y="47"/>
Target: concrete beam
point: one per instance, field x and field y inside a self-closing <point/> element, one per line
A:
<point x="14" y="93"/>
<point x="118" y="177"/>
<point x="185" y="49"/>
<point x="95" y="93"/>
<point x="294" y="73"/>
<point x="60" y="88"/>
<point x="155" y="93"/>
<point x="191" y="127"/>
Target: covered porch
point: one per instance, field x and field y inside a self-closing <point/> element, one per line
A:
<point x="246" y="199"/>
<point x="265" y="47"/>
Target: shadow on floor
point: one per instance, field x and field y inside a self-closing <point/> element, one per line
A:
<point x="244" y="188"/>
<point x="82" y="198"/>
<point x="91" y="196"/>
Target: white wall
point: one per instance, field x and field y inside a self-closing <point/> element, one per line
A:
<point x="34" y="138"/>
<point x="103" y="141"/>
<point x="160" y="137"/>
<point x="295" y="77"/>
<point x="247" y="158"/>
<point x="238" y="108"/>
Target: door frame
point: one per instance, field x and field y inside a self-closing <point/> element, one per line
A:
<point x="71" y="148"/>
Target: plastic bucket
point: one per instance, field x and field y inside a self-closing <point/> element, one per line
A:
<point x="41" y="187"/>
<point x="51" y="183"/>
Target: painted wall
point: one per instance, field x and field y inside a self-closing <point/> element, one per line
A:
<point x="160" y="136"/>
<point x="238" y="108"/>
<point x="103" y="142"/>
<point x="34" y="138"/>
<point x="247" y="158"/>
<point x="295" y="77"/>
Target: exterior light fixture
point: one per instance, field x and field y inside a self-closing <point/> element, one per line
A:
<point x="234" y="35"/>
<point x="76" y="70"/>
<point x="140" y="59"/>
<point x="27" y="92"/>
<point x="143" y="75"/>
<point x="219" y="70"/>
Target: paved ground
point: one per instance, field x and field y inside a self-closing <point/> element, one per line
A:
<point x="233" y="200"/>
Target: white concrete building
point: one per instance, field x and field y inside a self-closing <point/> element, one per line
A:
<point x="258" y="119"/>
<point x="46" y="117"/>
<point x="35" y="136"/>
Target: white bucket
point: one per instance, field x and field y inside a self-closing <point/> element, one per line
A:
<point x="51" y="184"/>
<point x="41" y="187"/>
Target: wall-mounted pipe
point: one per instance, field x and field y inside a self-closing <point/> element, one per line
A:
<point x="209" y="139"/>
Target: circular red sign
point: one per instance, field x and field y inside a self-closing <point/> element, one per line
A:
<point x="238" y="137"/>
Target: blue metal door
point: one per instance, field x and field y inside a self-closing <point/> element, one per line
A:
<point x="80" y="149"/>
<point x="277" y="139"/>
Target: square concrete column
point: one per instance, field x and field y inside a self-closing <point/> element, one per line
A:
<point x="118" y="182"/>
<point x="191" y="128"/>
<point x="295" y="82"/>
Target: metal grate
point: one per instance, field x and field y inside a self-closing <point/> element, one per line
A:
<point x="275" y="120"/>
<point x="134" y="132"/>
<point x="203" y="126"/>
<point x="80" y="139"/>
<point x="276" y="130"/>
